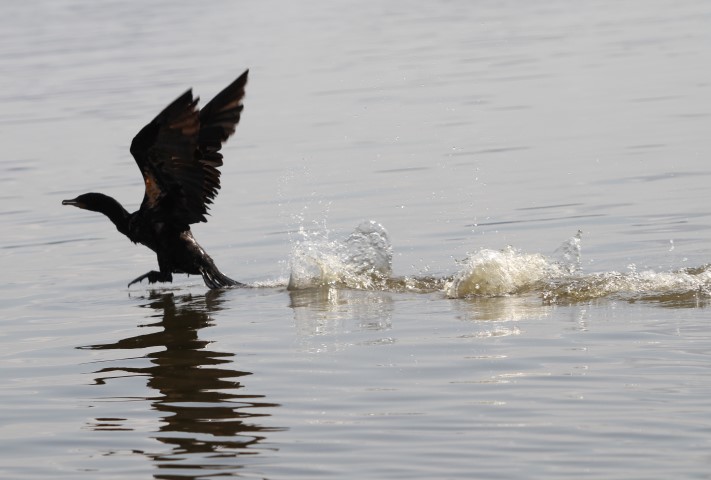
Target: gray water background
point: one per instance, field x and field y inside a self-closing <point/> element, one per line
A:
<point x="457" y="125"/>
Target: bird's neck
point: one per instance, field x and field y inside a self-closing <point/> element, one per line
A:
<point x="116" y="213"/>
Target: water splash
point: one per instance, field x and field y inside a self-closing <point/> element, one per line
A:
<point x="363" y="261"/>
<point x="498" y="272"/>
<point x="568" y="254"/>
<point x="492" y="273"/>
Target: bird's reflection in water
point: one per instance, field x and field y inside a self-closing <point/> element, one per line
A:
<point x="203" y="417"/>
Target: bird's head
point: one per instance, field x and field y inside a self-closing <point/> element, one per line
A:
<point x="98" y="202"/>
<point x="90" y="201"/>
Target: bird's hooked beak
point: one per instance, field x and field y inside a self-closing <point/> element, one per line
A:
<point x="74" y="202"/>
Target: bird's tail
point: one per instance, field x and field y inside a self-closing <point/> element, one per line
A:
<point x="214" y="278"/>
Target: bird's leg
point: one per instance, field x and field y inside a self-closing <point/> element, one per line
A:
<point x="153" y="277"/>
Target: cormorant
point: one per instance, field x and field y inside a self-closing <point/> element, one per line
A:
<point x="178" y="154"/>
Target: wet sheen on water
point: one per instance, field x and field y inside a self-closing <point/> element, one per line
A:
<point x="476" y="238"/>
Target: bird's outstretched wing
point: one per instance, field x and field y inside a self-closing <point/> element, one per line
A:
<point x="178" y="154"/>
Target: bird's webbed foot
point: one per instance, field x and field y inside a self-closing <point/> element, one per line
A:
<point x="153" y="277"/>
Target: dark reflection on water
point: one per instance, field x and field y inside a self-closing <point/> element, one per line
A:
<point x="204" y="421"/>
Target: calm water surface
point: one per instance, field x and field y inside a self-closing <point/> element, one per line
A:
<point x="457" y="125"/>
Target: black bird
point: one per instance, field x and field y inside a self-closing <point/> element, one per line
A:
<point x="178" y="154"/>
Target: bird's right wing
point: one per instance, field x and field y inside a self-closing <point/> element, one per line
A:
<point x="218" y="120"/>
<point x="164" y="151"/>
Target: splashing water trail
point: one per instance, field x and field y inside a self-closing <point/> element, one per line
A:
<point x="363" y="261"/>
<point x="683" y="286"/>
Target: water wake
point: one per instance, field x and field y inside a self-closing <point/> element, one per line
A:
<point x="363" y="261"/>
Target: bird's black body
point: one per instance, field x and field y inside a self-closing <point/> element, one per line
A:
<point x="178" y="155"/>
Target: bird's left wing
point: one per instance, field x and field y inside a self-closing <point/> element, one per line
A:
<point x="164" y="151"/>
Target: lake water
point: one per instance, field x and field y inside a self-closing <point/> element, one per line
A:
<point x="403" y="196"/>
